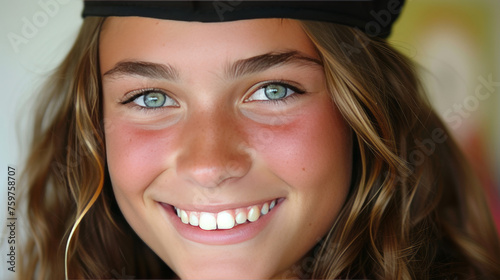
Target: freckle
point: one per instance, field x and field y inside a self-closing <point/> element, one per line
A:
<point x="303" y="169"/>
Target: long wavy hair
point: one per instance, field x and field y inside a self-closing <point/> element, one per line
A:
<point x="415" y="210"/>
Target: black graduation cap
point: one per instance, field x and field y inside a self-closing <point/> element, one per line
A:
<point x="374" y="17"/>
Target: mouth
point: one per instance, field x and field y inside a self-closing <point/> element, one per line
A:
<point x="226" y="219"/>
<point x="217" y="225"/>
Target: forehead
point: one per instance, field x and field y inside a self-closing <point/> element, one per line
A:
<point x="193" y="43"/>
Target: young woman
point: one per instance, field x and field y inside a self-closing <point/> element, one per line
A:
<point x="260" y="147"/>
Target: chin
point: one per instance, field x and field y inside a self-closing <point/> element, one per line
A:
<point x="246" y="269"/>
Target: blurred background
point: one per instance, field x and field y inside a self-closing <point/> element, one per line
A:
<point x="455" y="42"/>
<point x="457" y="46"/>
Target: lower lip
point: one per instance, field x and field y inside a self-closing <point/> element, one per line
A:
<point x="238" y="234"/>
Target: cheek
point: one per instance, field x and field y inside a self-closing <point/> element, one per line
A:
<point x="313" y="156"/>
<point x="313" y="150"/>
<point x="135" y="156"/>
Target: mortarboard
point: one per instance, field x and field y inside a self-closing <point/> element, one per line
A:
<point x="372" y="17"/>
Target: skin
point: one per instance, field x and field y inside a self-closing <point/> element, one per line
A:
<point x="215" y="147"/>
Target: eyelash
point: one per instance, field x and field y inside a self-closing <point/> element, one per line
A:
<point x="141" y="92"/>
<point x="297" y="91"/>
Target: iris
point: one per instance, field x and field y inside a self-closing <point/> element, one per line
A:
<point x="154" y="99"/>
<point x="275" y="91"/>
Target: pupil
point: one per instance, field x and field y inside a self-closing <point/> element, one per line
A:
<point x="154" y="99"/>
<point x="275" y="91"/>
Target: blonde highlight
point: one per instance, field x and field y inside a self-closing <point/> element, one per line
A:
<point x="395" y="224"/>
<point x="74" y="224"/>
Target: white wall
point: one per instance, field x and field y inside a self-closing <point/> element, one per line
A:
<point x="34" y="37"/>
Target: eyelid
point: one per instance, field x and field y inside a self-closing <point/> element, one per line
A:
<point x="134" y="94"/>
<point x="288" y="84"/>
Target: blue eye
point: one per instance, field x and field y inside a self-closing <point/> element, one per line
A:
<point x="273" y="92"/>
<point x="152" y="99"/>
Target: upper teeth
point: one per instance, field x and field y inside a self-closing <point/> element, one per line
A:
<point x="226" y="219"/>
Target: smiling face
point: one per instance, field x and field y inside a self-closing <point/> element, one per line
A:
<point x="210" y="125"/>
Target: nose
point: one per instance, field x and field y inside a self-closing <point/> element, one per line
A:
<point x="212" y="149"/>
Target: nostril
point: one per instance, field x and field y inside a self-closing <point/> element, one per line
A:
<point x="209" y="176"/>
<point x="214" y="168"/>
<point x="234" y="169"/>
<point x="215" y="175"/>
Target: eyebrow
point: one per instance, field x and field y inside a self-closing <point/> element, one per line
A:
<point x="269" y="60"/>
<point x="144" y="69"/>
<point x="235" y="70"/>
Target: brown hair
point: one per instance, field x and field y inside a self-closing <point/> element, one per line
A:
<point x="414" y="210"/>
<point x="71" y="209"/>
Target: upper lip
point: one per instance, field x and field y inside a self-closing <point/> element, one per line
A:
<point x="215" y="208"/>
